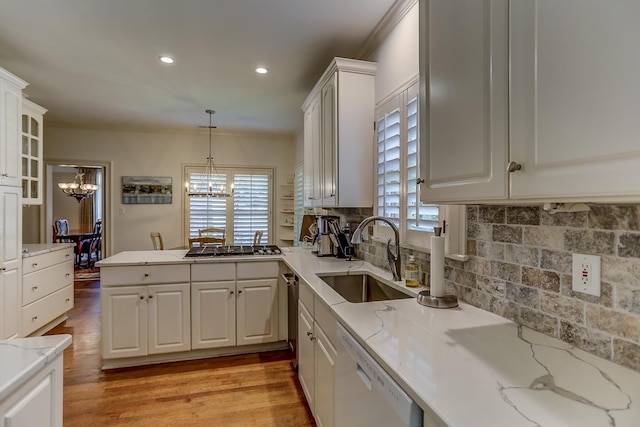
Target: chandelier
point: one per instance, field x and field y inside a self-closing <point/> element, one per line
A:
<point x="78" y="189"/>
<point x="209" y="183"/>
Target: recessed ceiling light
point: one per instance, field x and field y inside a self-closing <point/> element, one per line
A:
<point x="261" y="70"/>
<point x="166" y="59"/>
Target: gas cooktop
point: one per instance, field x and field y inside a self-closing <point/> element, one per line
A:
<point x="218" y="250"/>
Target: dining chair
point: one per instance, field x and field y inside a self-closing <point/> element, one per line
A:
<point x="217" y="234"/>
<point x="156" y="239"/>
<point x="195" y="242"/>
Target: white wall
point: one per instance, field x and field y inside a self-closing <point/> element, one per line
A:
<point x="164" y="154"/>
<point x="398" y="56"/>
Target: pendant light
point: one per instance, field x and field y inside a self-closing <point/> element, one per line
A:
<point x="78" y="189"/>
<point x="209" y="183"/>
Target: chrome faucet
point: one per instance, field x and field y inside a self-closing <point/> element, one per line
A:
<point x="392" y="259"/>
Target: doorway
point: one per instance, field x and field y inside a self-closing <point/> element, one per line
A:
<point x="56" y="204"/>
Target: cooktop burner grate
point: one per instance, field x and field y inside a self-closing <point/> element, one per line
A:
<point x="227" y="250"/>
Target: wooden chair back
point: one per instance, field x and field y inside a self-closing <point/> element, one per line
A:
<point x="195" y="242"/>
<point x="156" y="239"/>
<point x="257" y="237"/>
<point x="217" y="234"/>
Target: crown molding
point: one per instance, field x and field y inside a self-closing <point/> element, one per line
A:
<point x="388" y="22"/>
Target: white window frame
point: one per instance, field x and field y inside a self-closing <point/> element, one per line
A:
<point x="230" y="172"/>
<point x="453" y="217"/>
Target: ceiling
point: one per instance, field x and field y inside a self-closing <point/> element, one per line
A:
<point x="95" y="63"/>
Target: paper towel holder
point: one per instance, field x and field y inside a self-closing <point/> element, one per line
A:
<point x="443" y="301"/>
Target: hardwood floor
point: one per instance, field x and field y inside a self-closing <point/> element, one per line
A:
<point x="248" y="390"/>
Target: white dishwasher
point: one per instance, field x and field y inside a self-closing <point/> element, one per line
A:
<point x="365" y="395"/>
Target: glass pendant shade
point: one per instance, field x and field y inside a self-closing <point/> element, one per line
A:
<point x="78" y="189"/>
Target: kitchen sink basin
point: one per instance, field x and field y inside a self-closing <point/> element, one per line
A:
<point x="362" y="287"/>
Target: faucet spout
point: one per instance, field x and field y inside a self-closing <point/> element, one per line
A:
<point x="392" y="259"/>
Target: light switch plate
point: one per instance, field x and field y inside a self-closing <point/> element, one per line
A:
<point x="586" y="274"/>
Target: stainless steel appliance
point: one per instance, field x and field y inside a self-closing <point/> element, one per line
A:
<point x="331" y="240"/>
<point x="365" y="395"/>
<point x="292" y="282"/>
<point x="230" y="250"/>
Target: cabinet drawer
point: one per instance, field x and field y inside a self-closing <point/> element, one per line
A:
<point x="40" y="262"/>
<point x="257" y="270"/>
<point x="43" y="282"/>
<point x="144" y="275"/>
<point x="213" y="272"/>
<point x="306" y="297"/>
<point x="43" y="311"/>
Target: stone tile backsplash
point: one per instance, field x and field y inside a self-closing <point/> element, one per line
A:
<point x="519" y="267"/>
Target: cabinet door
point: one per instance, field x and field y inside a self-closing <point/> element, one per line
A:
<point x="169" y="325"/>
<point x="574" y="99"/>
<point x="306" y="356"/>
<point x="10" y="112"/>
<point x="257" y="311"/>
<point x="329" y="141"/>
<point x="213" y="314"/>
<point x="31" y="153"/>
<point x="10" y="261"/>
<point x="463" y="100"/>
<point x="325" y="357"/>
<point x="124" y="321"/>
<point x="312" y="160"/>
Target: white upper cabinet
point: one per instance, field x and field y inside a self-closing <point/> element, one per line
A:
<point x="555" y="97"/>
<point x="339" y="116"/>
<point x="31" y="152"/>
<point x="10" y="112"/>
<point x="463" y="102"/>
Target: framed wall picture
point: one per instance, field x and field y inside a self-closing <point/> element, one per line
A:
<point x="146" y="190"/>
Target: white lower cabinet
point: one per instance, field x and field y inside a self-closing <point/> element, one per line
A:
<point x="144" y="320"/>
<point x="47" y="290"/>
<point x="38" y="402"/>
<point x="316" y="355"/>
<point x="234" y="304"/>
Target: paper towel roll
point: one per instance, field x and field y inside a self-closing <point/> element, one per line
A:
<point x="437" y="266"/>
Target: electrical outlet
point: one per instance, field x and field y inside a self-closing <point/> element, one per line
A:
<point x="586" y="274"/>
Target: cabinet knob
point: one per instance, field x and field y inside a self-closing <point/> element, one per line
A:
<point x="150" y="296"/>
<point x="67" y="255"/>
<point x="67" y="275"/>
<point x="141" y="296"/>
<point x="35" y="264"/>
<point x="231" y="292"/>
<point x="309" y="333"/>
<point x="34" y="318"/>
<point x="146" y="274"/>
<point x="240" y="291"/>
<point x="419" y="181"/>
<point x="67" y="300"/>
<point x="513" y="166"/>
<point x="34" y="288"/>
<point x="5" y="175"/>
<point x="3" y="269"/>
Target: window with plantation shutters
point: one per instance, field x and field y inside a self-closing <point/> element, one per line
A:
<point x="398" y="168"/>
<point x="243" y="214"/>
<point x="251" y="202"/>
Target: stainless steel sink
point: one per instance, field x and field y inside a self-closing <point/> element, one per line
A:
<point x="362" y="287"/>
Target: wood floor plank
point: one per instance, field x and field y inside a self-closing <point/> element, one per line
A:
<point x="232" y="391"/>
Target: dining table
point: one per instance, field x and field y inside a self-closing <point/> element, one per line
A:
<point x="77" y="237"/>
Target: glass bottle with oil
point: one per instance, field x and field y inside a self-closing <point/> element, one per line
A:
<point x="412" y="273"/>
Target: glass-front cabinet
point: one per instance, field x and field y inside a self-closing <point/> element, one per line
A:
<point x="31" y="153"/>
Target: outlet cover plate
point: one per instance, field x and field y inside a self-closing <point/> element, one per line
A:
<point x="586" y="274"/>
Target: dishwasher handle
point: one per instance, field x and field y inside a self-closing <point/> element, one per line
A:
<point x="289" y="278"/>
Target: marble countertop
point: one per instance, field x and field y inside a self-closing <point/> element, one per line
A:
<point x="21" y="358"/>
<point x="174" y="256"/>
<point x="33" y="249"/>
<point x="463" y="366"/>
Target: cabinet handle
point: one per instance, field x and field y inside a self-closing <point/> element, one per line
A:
<point x="309" y="333"/>
<point x="34" y="288"/>
<point x="67" y="255"/>
<point x="35" y="264"/>
<point x="67" y="300"/>
<point x="419" y="181"/>
<point x="231" y="292"/>
<point x="513" y="166"/>
<point x="150" y="296"/>
<point x="3" y="269"/>
<point x="240" y="291"/>
<point x="34" y="318"/>
<point x="146" y="274"/>
<point x="5" y="175"/>
<point x="67" y="275"/>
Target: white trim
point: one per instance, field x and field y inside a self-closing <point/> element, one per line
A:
<point x="389" y="21"/>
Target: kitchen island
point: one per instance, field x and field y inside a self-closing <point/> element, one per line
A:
<point x="463" y="366"/>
